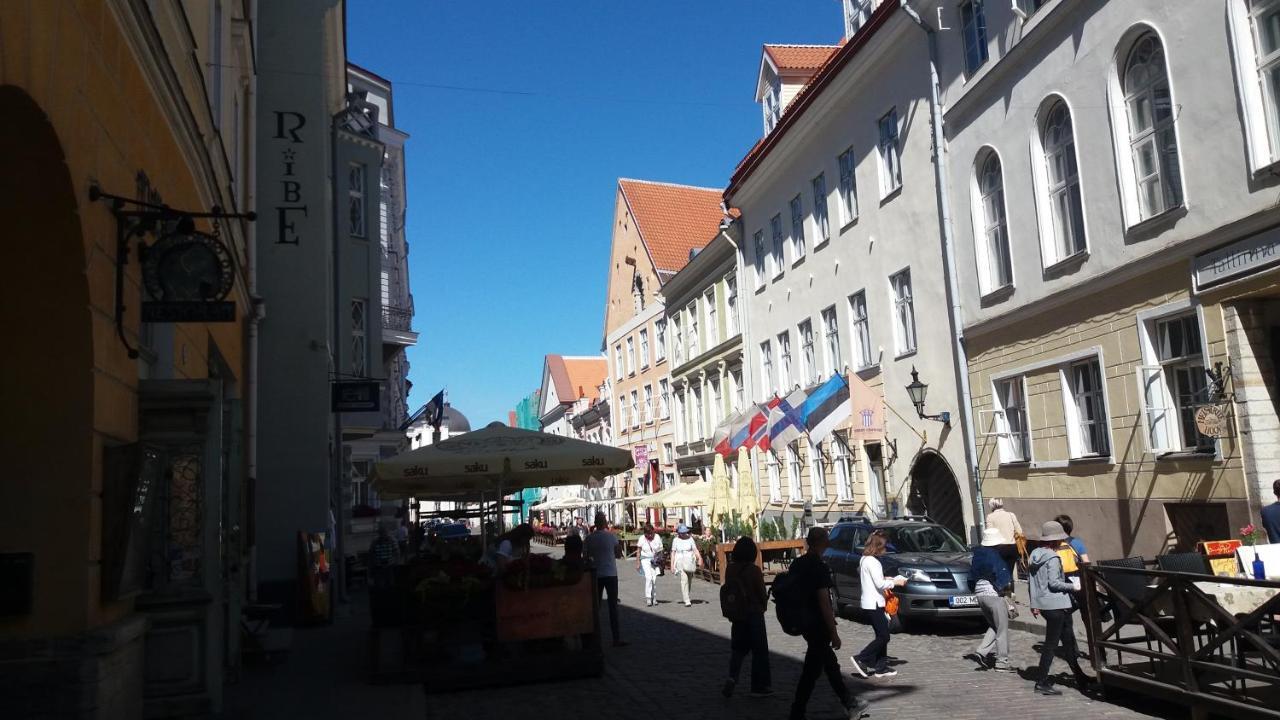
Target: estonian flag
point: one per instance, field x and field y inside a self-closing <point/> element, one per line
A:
<point x="826" y="408"/>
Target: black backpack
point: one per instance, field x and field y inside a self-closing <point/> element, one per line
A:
<point x="788" y="603"/>
<point x="733" y="601"/>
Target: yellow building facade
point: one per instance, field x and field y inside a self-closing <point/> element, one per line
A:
<point x="149" y="102"/>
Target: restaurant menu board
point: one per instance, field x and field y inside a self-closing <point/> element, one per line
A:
<point x="1222" y="556"/>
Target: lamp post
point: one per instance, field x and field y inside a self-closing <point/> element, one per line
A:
<point x="917" y="391"/>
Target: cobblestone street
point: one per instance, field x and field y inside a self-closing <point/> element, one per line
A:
<point x="674" y="668"/>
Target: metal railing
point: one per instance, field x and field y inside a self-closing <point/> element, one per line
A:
<point x="1181" y="643"/>
<point x="395" y="318"/>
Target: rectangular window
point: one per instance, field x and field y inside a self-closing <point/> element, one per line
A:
<point x="660" y="338"/>
<point x="695" y="426"/>
<point x="359" y="337"/>
<point x="856" y="14"/>
<point x="631" y="356"/>
<point x="1087" y="432"/>
<point x="619" y="369"/>
<point x="890" y="161"/>
<point x="692" y="317"/>
<point x="795" y="489"/>
<point x="775" y="226"/>
<point x="713" y="327"/>
<point x="739" y="399"/>
<point x="831" y="339"/>
<point x="904" y="313"/>
<point x="1174" y="384"/>
<point x="817" y="477"/>
<point x="821" y="225"/>
<point x="622" y="413"/>
<point x="677" y="339"/>
<point x="848" y="187"/>
<point x="862" y="357"/>
<point x="840" y="458"/>
<point x="784" y="363"/>
<point x="668" y="454"/>
<point x="973" y="26"/>
<point x="664" y="399"/>
<point x="648" y="404"/>
<point x="635" y="409"/>
<point x="356" y="200"/>
<point x="716" y="401"/>
<point x="768" y="381"/>
<point x="797" y="228"/>
<point x="644" y="349"/>
<point x="761" y="278"/>
<point x="808" y="358"/>
<point x="731" y="304"/>
<point x="775" y="482"/>
<point x="1014" y="432"/>
<point x="679" y="422"/>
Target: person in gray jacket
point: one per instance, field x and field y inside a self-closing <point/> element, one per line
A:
<point x="1051" y="597"/>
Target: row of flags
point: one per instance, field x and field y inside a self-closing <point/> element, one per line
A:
<point x="816" y="412"/>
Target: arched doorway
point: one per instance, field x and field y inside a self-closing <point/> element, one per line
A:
<point x="47" y="489"/>
<point x="934" y="492"/>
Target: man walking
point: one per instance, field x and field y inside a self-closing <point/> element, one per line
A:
<point x="1271" y="516"/>
<point x="603" y="548"/>
<point x="812" y="579"/>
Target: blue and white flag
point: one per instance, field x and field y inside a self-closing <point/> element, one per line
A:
<point x="826" y="407"/>
<point x="785" y="422"/>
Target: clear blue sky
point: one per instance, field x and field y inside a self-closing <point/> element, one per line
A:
<point x="512" y="169"/>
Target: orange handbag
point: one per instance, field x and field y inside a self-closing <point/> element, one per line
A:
<point x="890" y="603"/>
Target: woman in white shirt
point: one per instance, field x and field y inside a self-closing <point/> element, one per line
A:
<point x="648" y="561"/>
<point x="685" y="560"/>
<point x="875" y="656"/>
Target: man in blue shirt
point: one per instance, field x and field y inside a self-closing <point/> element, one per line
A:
<point x="1271" y="516"/>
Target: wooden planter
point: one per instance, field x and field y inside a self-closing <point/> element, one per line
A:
<point x="776" y="547"/>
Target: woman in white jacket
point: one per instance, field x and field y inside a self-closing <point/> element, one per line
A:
<point x="649" y="562"/>
<point x="874" y="658"/>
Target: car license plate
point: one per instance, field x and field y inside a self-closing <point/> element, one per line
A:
<point x="957" y="601"/>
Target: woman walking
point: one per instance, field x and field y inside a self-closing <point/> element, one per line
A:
<point x="874" y="658"/>
<point x="649" y="562"/>
<point x="747" y="633"/>
<point x="1051" y="596"/>
<point x="685" y="560"/>
<point x="991" y="583"/>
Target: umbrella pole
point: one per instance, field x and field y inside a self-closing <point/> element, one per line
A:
<point x="501" y="507"/>
<point x="484" y="536"/>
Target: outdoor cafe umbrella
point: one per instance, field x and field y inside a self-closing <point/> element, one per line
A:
<point x="495" y="460"/>
<point x="748" y="493"/>
<point x="693" y="494"/>
<point x="721" y="504"/>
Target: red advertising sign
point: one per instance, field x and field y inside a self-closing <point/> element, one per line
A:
<point x="641" y="455"/>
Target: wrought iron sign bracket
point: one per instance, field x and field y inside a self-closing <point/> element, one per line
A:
<point x="136" y="219"/>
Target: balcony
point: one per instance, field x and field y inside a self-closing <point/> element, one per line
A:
<point x="397" y="327"/>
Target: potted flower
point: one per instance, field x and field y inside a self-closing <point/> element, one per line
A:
<point x="1252" y="535"/>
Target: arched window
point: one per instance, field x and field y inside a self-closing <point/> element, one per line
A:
<point x="995" y="265"/>
<point x="1152" y="142"/>
<point x="1061" y="184"/>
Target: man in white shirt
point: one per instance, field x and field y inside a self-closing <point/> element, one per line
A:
<point x="603" y="549"/>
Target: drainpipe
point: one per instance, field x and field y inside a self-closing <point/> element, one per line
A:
<point x="949" y="265"/>
<point x="338" y="567"/>
<point x="257" y="311"/>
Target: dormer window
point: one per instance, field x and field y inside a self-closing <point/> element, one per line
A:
<point x="772" y="104"/>
<point x="856" y="14"/>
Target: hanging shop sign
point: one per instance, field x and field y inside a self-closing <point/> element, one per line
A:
<point x="188" y="275"/>
<point x="641" y="455"/>
<point x="1241" y="258"/>
<point x="356" y="396"/>
<point x="1213" y="421"/>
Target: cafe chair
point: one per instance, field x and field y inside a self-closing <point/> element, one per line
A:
<point x="1190" y="562"/>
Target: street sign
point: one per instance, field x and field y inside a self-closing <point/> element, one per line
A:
<point x="175" y="311"/>
<point x="356" y="396"/>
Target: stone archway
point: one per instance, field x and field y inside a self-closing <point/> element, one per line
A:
<point x="934" y="492"/>
<point x="47" y="489"/>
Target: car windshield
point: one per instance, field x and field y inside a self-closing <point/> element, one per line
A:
<point x="923" y="538"/>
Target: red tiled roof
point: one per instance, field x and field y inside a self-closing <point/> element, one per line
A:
<point x="576" y="377"/>
<point x="800" y="57"/>
<point x="672" y="219"/>
<point x="834" y="63"/>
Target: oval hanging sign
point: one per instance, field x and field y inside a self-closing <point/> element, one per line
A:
<point x="1212" y="420"/>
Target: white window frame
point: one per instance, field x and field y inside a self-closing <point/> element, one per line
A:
<point x="904" y="313"/>
<point x="635" y="409"/>
<point x="698" y="418"/>
<point x="978" y="29"/>
<point x="357" y="182"/>
<point x="775" y="479"/>
<point x="691" y="312"/>
<point x="731" y="306"/>
<point x="798" y="249"/>
<point x="1162" y="423"/>
<point x="1052" y="248"/>
<point x="713" y="326"/>
<point x="664" y="398"/>
<point x="1071" y="408"/>
<point x="890" y="153"/>
<point x="739" y="392"/>
<point x="660" y="339"/>
<point x="677" y="339"/>
<point x="767" y="376"/>
<point x="848" y="164"/>
<point x="860" y="320"/>
<point x="821" y="219"/>
<point x="831" y="341"/>
<point x="784" y="363"/>
<point x="1262" y="113"/>
<point x="856" y="14"/>
<point x="644" y="348"/>
<point x="989" y="231"/>
<point x="817" y="474"/>
<point x="779" y="240"/>
<point x="795" y="490"/>
<point x="1007" y="443"/>
<point x="622" y="413"/>
<point x="808" y="352"/>
<point x="631" y="355"/>
<point x="715" y="401"/>
<point x="619" y="369"/>
<point x="761" y="257"/>
<point x="648" y="404"/>
<point x="840" y="458"/>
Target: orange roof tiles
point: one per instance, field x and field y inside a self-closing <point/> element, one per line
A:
<point x="800" y="57"/>
<point x="576" y="377"/>
<point x="673" y="219"/>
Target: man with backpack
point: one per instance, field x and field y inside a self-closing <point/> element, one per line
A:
<point x="803" y="597"/>
<point x="743" y="600"/>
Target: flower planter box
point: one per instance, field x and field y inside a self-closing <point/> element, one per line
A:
<point x="774" y="548"/>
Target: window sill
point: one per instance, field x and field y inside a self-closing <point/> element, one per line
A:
<point x="796" y="503"/>
<point x="798" y="261"/>
<point x="850" y="503"/>
<point x="849" y="225"/>
<point x="998" y="295"/>
<point x="823" y="242"/>
<point x="1067" y="263"/>
<point x="906" y="354"/>
<point x="1093" y="460"/>
<point x="895" y="192"/>
<point x="1017" y="465"/>
<point x="1177" y="455"/>
<point x="778" y="275"/>
<point x="775" y="501"/>
<point x="1155" y="224"/>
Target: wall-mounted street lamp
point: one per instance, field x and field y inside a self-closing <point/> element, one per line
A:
<point x="917" y="390"/>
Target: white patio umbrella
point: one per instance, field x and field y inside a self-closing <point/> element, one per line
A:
<point x="495" y="460"/>
<point x="693" y="494"/>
